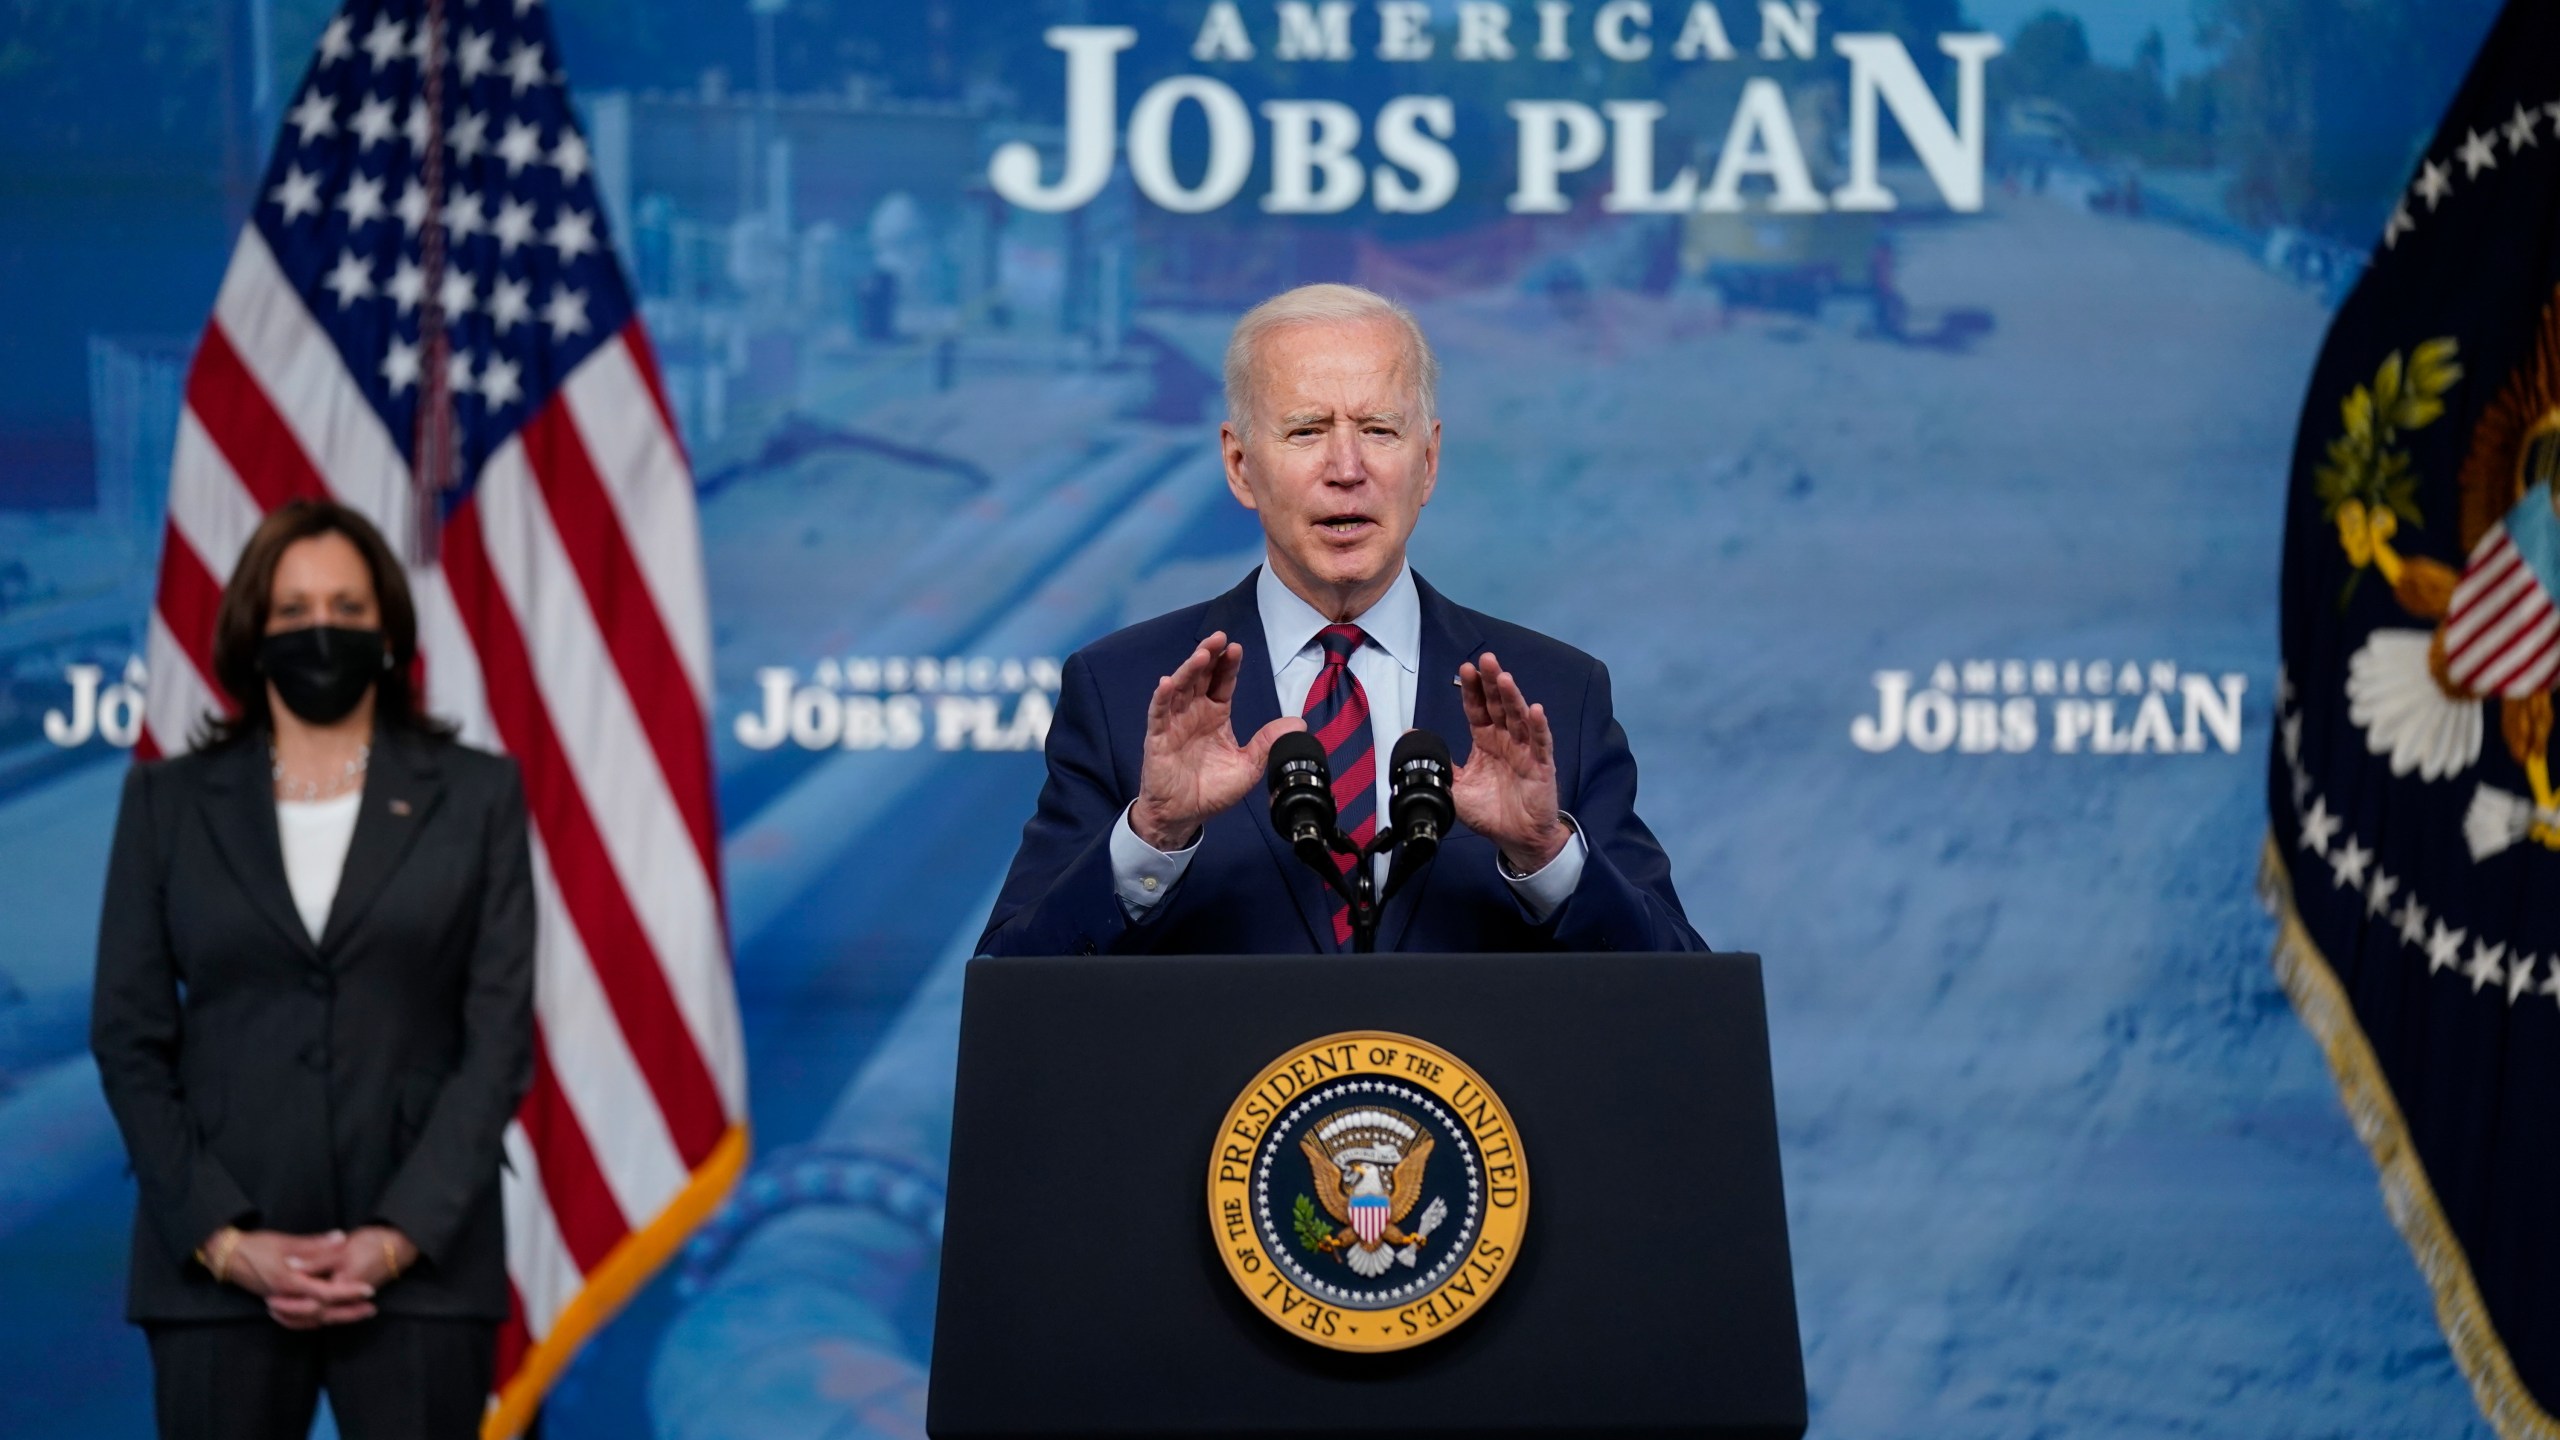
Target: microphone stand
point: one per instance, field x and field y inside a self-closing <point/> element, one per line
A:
<point x="1358" y="885"/>
<point x="1414" y="817"/>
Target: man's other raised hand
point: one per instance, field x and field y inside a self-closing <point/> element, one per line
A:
<point x="1192" y="766"/>
<point x="1506" y="791"/>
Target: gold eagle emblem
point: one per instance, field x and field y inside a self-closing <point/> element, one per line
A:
<point x="1368" y="1166"/>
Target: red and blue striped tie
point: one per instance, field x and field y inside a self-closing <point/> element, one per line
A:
<point x="1337" y="714"/>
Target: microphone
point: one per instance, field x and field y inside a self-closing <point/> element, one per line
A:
<point x="1421" y="810"/>
<point x="1302" y="808"/>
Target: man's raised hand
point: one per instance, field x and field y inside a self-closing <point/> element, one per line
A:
<point x="1192" y="766"/>
<point x="1506" y="791"/>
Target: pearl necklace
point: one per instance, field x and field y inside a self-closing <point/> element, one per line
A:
<point x="351" y="777"/>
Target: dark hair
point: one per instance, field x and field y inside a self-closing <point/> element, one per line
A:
<point x="241" y="622"/>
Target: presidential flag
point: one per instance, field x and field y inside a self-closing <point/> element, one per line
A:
<point x="423" y="318"/>
<point x="2414" y="853"/>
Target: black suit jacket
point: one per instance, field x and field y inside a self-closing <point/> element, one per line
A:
<point x="269" y="1081"/>
<point x="1245" y="893"/>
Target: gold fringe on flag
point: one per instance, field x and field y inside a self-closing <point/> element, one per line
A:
<point x="2406" y="1194"/>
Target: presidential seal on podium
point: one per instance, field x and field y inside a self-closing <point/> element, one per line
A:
<point x="1368" y="1191"/>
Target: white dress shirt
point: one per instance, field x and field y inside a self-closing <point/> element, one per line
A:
<point x="1388" y="668"/>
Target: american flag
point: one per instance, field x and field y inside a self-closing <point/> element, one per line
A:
<point x="425" y="290"/>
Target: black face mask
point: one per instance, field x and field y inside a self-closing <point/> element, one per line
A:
<point x="321" y="671"/>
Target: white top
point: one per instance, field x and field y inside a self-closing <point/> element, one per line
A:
<point x="1387" y="668"/>
<point x="316" y="834"/>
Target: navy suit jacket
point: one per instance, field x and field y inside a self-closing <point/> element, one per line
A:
<point x="1245" y="893"/>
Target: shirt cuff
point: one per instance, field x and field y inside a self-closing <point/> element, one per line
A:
<point x="1542" y="893"/>
<point x="1142" y="874"/>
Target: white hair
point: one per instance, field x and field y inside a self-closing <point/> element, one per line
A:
<point x="1321" y="305"/>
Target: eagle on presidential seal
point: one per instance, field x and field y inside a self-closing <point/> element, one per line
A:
<point x="1368" y="1166"/>
<point x="2422" y="696"/>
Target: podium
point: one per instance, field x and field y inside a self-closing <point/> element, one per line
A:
<point x="1086" y="1288"/>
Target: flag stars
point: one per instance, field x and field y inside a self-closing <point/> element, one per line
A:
<point x="2412" y="921"/>
<point x="458" y="295"/>
<point x="387" y="41"/>
<point x="2484" y="969"/>
<point x="566" y="313"/>
<point x="524" y="66"/>
<point x="463" y="217"/>
<point x="298" y="193"/>
<point x="477" y="55"/>
<point x="408" y="285"/>
<point x="521" y="146"/>
<point x="314" y="116"/>
<point x="2398" y="225"/>
<point x="362" y="202"/>
<point x="2434" y="183"/>
<point x="413" y="206"/>
<point x="2478" y="153"/>
<point x="2551" y="982"/>
<point x="2377" y="896"/>
<point x="2444" y="947"/>
<point x="413" y="128"/>
<point x="337" y="42"/>
<point x="514" y="225"/>
<point x="372" y="122"/>
<point x="573" y="235"/>
<point x="2519" y="129"/>
<point x="400" y="365"/>
<point x="2293" y="737"/>
<point x="350" y="280"/>
<point x="508" y="304"/>
<point x="468" y="137"/>
<point x="2347" y="864"/>
<point x="570" y="157"/>
<point x="457" y="373"/>
<point x="2318" y="828"/>
<point x="2520" y="977"/>
<point x="500" y="385"/>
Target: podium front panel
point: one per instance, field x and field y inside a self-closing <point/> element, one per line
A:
<point x="1083" y="1293"/>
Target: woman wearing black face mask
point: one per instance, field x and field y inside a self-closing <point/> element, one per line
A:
<point x="313" y="1016"/>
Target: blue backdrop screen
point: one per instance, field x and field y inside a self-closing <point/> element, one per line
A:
<point x="1897" y="394"/>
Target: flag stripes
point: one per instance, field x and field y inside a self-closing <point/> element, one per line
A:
<point x="266" y="457"/>
<point x="589" y="534"/>
<point x="591" y="891"/>
<point x="2502" y="630"/>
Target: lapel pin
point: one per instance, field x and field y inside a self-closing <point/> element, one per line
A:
<point x="400" y="808"/>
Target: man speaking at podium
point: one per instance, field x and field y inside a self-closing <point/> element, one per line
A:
<point x="1150" y="838"/>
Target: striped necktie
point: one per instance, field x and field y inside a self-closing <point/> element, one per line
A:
<point x="1337" y="714"/>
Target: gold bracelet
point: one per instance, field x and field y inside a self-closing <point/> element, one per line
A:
<point x="391" y="1257"/>
<point x="220" y="1264"/>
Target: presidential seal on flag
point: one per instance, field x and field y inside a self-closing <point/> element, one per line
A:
<point x="1387" y="1191"/>
<point x="2421" y="695"/>
<point x="2413" y="858"/>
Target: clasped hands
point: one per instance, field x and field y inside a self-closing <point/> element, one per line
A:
<point x="311" y="1280"/>
<point x="1193" y="768"/>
